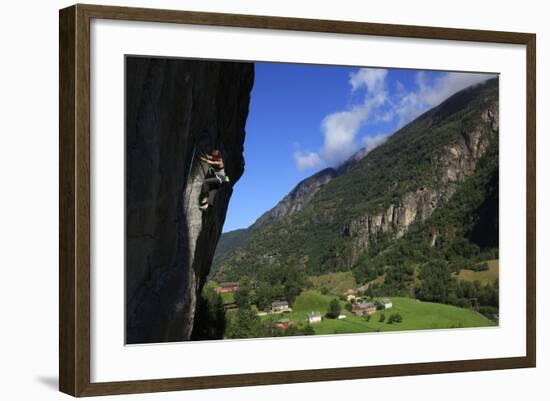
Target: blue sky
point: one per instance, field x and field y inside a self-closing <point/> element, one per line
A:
<point x="304" y="118"/>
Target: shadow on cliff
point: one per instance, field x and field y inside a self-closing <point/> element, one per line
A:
<point x="175" y="109"/>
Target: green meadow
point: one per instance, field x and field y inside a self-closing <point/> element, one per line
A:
<point x="335" y="283"/>
<point x="484" y="277"/>
<point x="416" y="315"/>
<point x="228" y="297"/>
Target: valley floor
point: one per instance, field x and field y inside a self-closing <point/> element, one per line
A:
<point x="416" y="315"/>
<point x="413" y="314"/>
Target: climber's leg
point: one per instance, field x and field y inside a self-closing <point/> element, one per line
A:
<point x="208" y="192"/>
<point x="212" y="196"/>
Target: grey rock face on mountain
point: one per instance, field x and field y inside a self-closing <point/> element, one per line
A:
<point x="298" y="197"/>
<point x="452" y="166"/>
<point x="306" y="189"/>
<point x="175" y="108"/>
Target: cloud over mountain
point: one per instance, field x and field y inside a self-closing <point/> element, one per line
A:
<point x="385" y="101"/>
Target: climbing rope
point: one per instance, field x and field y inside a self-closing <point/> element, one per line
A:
<point x="205" y="173"/>
<point x="202" y="155"/>
<point x="187" y="180"/>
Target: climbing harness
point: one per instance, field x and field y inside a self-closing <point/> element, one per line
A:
<point x="211" y="171"/>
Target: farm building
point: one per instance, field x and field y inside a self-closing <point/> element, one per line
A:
<point x="314" y="317"/>
<point x="227" y="287"/>
<point x="350" y="295"/>
<point x="280" y="306"/>
<point x="364" y="308"/>
<point x="283" y="324"/>
<point x="229" y="305"/>
<point x="386" y="303"/>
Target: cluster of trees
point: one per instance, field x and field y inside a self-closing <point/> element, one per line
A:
<point x="436" y="282"/>
<point x="210" y="321"/>
<point x="334" y="309"/>
<point x="438" y="285"/>
<point x="245" y="323"/>
<point x="395" y="259"/>
<point x="280" y="282"/>
<point x="270" y="284"/>
<point x="395" y="318"/>
<point x="482" y="297"/>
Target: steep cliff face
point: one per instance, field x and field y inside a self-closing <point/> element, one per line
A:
<point x="174" y="110"/>
<point x="450" y="167"/>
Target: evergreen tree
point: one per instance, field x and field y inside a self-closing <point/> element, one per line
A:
<point x="334" y="309"/>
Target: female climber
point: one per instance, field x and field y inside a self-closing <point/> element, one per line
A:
<point x="214" y="179"/>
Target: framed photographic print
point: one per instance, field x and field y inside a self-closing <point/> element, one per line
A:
<point x="250" y="200"/>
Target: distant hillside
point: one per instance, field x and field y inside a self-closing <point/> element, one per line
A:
<point x="229" y="242"/>
<point x="298" y="198"/>
<point x="429" y="192"/>
<point x="295" y="201"/>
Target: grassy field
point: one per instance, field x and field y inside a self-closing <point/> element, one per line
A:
<point x="335" y="283"/>
<point x="309" y="301"/>
<point x="228" y="296"/>
<point x="416" y="316"/>
<point x="484" y="277"/>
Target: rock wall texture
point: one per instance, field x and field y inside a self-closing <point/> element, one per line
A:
<point x="174" y="110"/>
<point x="450" y="167"/>
<point x="299" y="197"/>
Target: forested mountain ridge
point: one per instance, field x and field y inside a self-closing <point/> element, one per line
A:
<point x="430" y="191"/>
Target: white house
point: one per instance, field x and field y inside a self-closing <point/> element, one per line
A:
<point x="314" y="317"/>
<point x="386" y="303"/>
<point x="280" y="306"/>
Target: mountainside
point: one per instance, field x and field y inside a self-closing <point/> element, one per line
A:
<point x="430" y="189"/>
<point x="295" y="201"/>
<point x="298" y="198"/>
<point x="173" y="108"/>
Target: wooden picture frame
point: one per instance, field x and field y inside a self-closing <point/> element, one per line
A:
<point x="74" y="200"/>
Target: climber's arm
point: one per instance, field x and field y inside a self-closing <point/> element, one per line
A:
<point x="208" y="160"/>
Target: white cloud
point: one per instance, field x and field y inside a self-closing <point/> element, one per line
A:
<point x="373" y="141"/>
<point x="399" y="87"/>
<point x="306" y="161"/>
<point x="446" y="85"/>
<point x="340" y="129"/>
<point x="370" y="78"/>
<point x="430" y="94"/>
